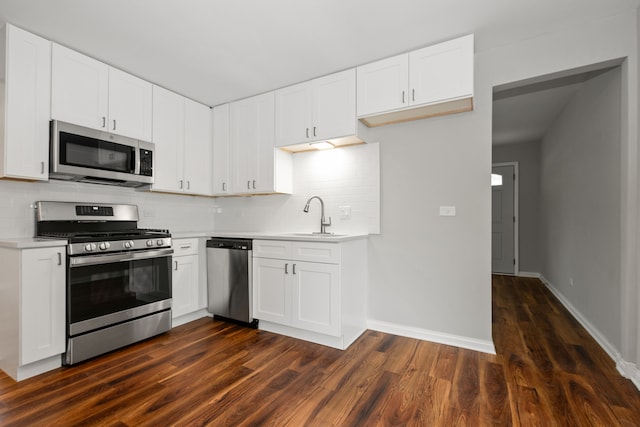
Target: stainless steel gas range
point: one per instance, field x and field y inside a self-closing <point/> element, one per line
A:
<point x="118" y="275"/>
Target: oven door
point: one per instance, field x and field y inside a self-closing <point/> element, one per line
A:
<point x="108" y="289"/>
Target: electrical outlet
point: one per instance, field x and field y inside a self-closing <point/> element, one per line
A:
<point x="345" y="212"/>
<point x="447" y="211"/>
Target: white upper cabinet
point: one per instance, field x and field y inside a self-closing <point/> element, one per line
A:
<point x="221" y="161"/>
<point x="257" y="166"/>
<point x="383" y="85"/>
<point x="26" y="92"/>
<point x="130" y="100"/>
<point x="431" y="81"/>
<point x="168" y="137"/>
<point x="441" y="72"/>
<point x="197" y="149"/>
<point x="182" y="135"/>
<point x="89" y="93"/>
<point x="316" y="110"/>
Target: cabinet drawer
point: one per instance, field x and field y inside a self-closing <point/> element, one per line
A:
<point x="279" y="249"/>
<point x="185" y="247"/>
<point x="316" y="252"/>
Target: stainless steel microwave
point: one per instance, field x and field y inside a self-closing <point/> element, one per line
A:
<point x="82" y="154"/>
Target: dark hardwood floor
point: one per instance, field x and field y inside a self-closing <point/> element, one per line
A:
<point x="548" y="371"/>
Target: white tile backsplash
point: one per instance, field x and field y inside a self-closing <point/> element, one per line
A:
<point x="348" y="176"/>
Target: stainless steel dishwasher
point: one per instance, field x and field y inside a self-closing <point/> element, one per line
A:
<point x="229" y="276"/>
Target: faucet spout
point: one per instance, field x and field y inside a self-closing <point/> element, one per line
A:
<point x="323" y="223"/>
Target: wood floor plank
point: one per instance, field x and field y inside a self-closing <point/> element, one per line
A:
<point x="547" y="371"/>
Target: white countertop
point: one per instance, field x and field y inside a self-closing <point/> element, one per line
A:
<point x="31" y="242"/>
<point x="264" y="235"/>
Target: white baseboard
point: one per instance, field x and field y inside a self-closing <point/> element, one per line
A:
<point x="427" y="335"/>
<point x="189" y="317"/>
<point x="529" y="274"/>
<point x="626" y="369"/>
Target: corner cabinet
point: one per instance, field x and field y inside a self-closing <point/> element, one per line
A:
<point x="257" y="166"/>
<point x="90" y="93"/>
<point x="311" y="290"/>
<point x="26" y="98"/>
<point x="317" y="110"/>
<point x="32" y="307"/>
<point x="432" y="81"/>
<point x="182" y="135"/>
<point x="221" y="150"/>
<point x="188" y="280"/>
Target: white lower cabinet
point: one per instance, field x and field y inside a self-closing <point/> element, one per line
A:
<point x="188" y="280"/>
<point x="32" y="310"/>
<point x="310" y="290"/>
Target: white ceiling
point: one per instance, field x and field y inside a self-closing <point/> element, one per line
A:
<point x="218" y="51"/>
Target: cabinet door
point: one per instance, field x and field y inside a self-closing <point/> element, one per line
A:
<point x="221" y="184"/>
<point x="316" y="297"/>
<point x="383" y="85"/>
<point x="130" y="101"/>
<point x="197" y="148"/>
<point x="442" y="72"/>
<point x="334" y="106"/>
<point x="252" y="142"/>
<point x="185" y="293"/>
<point x="42" y="311"/>
<point x="168" y="136"/>
<point x="294" y="122"/>
<point x="271" y="290"/>
<point x="27" y="109"/>
<point x="79" y="89"/>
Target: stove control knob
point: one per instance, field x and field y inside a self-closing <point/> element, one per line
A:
<point x="104" y="246"/>
<point x="90" y="247"/>
<point x="160" y="242"/>
<point x="150" y="243"/>
<point x="128" y="244"/>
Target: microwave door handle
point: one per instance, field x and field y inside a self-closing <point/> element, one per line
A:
<point x="135" y="160"/>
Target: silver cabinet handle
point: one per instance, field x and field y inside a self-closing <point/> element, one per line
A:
<point x="176" y="265"/>
<point x="403" y="97"/>
<point x="248" y="185"/>
<point x="294" y="269"/>
<point x="41" y="168"/>
<point x="314" y="131"/>
<point x="286" y="269"/>
<point x="181" y="184"/>
<point x="254" y="184"/>
<point x="59" y="258"/>
<point x="188" y="185"/>
<point x="224" y="186"/>
<point x="104" y="121"/>
<point x="413" y="94"/>
<point x="114" y="124"/>
<point x="307" y="132"/>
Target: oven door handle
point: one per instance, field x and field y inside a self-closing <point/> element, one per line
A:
<point x="77" y="261"/>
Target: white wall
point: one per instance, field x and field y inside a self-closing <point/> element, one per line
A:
<point x="527" y="154"/>
<point x="348" y="176"/>
<point x="580" y="204"/>
<point x="175" y="212"/>
<point x="593" y="41"/>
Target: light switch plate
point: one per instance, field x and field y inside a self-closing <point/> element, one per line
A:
<point x="345" y="212"/>
<point x="447" y="211"/>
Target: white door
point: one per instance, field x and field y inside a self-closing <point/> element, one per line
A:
<point x="221" y="150"/>
<point x="315" y="297"/>
<point x="272" y="290"/>
<point x="293" y="114"/>
<point x="185" y="285"/>
<point x="503" y="220"/>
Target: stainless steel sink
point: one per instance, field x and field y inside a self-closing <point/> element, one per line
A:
<point x="317" y="235"/>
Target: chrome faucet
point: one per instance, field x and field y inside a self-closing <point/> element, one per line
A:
<point x="323" y="223"/>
